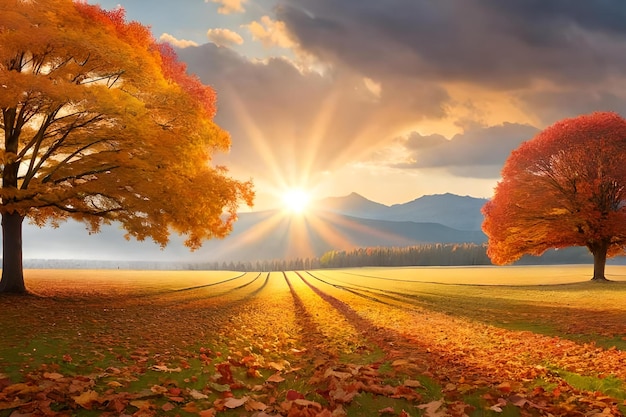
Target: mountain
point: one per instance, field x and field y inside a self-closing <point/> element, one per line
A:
<point x="353" y="205"/>
<point x="261" y="235"/>
<point x="457" y="212"/>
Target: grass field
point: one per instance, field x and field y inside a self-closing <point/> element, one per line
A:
<point x="481" y="341"/>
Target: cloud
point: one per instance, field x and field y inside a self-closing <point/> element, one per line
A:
<point x="483" y="74"/>
<point x="491" y="42"/>
<point x="224" y="37"/>
<point x="553" y="105"/>
<point x="307" y="121"/>
<point x="479" y="152"/>
<point x="229" y="6"/>
<point x="270" y="33"/>
<point x="179" y="43"/>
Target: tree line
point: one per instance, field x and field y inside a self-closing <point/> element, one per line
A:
<point x="436" y="254"/>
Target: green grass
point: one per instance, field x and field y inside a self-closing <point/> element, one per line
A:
<point x="609" y="385"/>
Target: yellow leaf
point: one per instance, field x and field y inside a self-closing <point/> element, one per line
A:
<point x="86" y="398"/>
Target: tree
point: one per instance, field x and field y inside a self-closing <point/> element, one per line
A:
<point x="565" y="187"/>
<point x="102" y="124"/>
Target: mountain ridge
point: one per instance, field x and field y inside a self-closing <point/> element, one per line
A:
<point x="452" y="210"/>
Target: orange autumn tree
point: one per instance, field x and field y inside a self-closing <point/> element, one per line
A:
<point x="101" y="124"/>
<point x="565" y="187"/>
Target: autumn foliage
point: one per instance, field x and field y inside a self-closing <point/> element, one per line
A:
<point x="565" y="187"/>
<point x="103" y="124"/>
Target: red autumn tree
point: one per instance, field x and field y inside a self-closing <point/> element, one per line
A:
<point x="565" y="187"/>
<point x="101" y="124"/>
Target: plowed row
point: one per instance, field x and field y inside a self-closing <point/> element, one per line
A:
<point x="319" y="343"/>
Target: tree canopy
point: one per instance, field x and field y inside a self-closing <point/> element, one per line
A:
<point x="565" y="187"/>
<point x="101" y="123"/>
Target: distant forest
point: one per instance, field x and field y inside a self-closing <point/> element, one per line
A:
<point x="435" y="254"/>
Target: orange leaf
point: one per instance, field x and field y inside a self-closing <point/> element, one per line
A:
<point x="55" y="376"/>
<point x="168" y="407"/>
<point x="504" y="387"/>
<point x="208" y="413"/>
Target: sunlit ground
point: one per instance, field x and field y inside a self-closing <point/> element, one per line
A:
<point x="185" y="342"/>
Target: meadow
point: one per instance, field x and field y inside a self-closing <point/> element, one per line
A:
<point x="434" y="342"/>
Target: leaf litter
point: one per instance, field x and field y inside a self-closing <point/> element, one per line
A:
<point x="281" y="344"/>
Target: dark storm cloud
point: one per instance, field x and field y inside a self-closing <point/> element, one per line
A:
<point x="305" y="116"/>
<point x="551" y="106"/>
<point x="493" y="42"/>
<point x="480" y="152"/>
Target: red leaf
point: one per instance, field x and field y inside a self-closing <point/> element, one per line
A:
<point x="294" y="395"/>
<point x="226" y="373"/>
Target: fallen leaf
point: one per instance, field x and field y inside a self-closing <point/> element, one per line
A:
<point x="307" y="403"/>
<point x="168" y="407"/>
<point x="177" y="399"/>
<point x="158" y="389"/>
<point x="254" y="405"/>
<point x="387" y="410"/>
<point x="163" y="368"/>
<point x="191" y="407"/>
<point x="55" y="376"/>
<point x="219" y="387"/>
<point x="430" y="409"/>
<point x="339" y="412"/>
<point x="197" y="395"/>
<point x="86" y="398"/>
<point x="235" y="402"/>
<point x="277" y="366"/>
<point x="504" y="387"/>
<point x="412" y="383"/>
<point x="275" y="378"/>
<point x="141" y="404"/>
<point x="340" y="395"/>
<point x="294" y="395"/>
<point x="226" y="375"/>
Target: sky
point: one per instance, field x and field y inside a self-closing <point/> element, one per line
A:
<point x="390" y="99"/>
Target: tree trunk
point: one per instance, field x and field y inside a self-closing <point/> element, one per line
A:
<point x="599" y="262"/>
<point x="12" y="268"/>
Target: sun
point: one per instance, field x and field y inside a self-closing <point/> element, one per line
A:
<point x="296" y="200"/>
